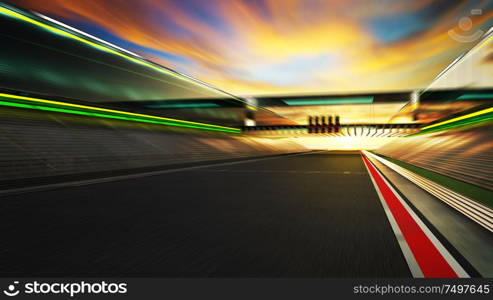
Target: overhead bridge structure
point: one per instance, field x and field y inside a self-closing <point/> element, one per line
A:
<point x="366" y="130"/>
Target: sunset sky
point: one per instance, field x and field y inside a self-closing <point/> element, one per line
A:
<point x="260" y="47"/>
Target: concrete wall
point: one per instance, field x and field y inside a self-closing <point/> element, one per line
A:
<point x="37" y="144"/>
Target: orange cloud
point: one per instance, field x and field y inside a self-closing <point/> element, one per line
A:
<point x="260" y="47"/>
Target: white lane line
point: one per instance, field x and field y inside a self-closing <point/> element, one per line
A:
<point x="406" y="251"/>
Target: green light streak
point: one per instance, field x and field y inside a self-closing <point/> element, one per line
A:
<point x="464" y="117"/>
<point x="472" y="120"/>
<point x="328" y="101"/>
<point x="475" y="96"/>
<point x="105" y="113"/>
<point x="183" y="105"/>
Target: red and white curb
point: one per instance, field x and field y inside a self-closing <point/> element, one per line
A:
<point x="424" y="254"/>
<point x="475" y="211"/>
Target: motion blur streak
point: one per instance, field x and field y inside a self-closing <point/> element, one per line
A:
<point x="101" y="47"/>
<point x="487" y="112"/>
<point x="40" y="104"/>
<point x="344" y="142"/>
<point x="295" y="46"/>
<point x="102" y="176"/>
<point x="426" y="249"/>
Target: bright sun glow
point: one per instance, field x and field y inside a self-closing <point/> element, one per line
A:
<point x="343" y="142"/>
